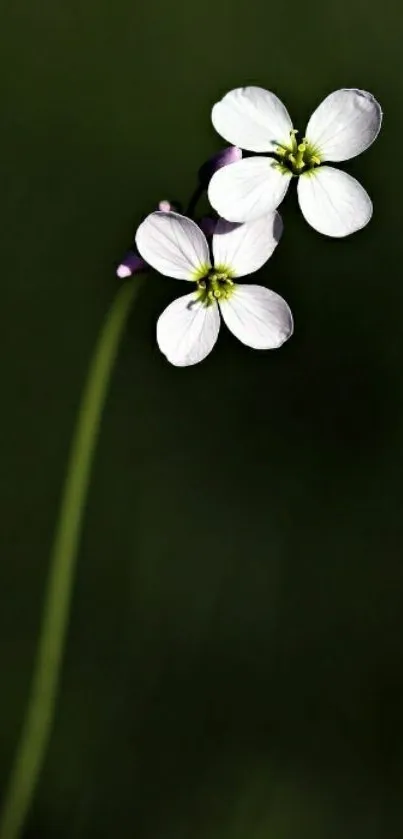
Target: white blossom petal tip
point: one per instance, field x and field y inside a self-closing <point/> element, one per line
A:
<point x="345" y="124"/>
<point x="258" y="317"/>
<point x="333" y="202"/>
<point x="252" y="118"/>
<point x="187" y="330"/>
<point x="253" y="187"/>
<point x="174" y="245"/>
<point x="244" y="248"/>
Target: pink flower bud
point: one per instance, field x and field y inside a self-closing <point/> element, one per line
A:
<point x="165" y="206"/>
<point x="132" y="263"/>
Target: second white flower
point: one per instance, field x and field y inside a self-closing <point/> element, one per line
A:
<point x="343" y="126"/>
<point x="188" y="328"/>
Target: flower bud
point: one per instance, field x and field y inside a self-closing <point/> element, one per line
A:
<point x="223" y="158"/>
<point x="207" y="225"/>
<point x="165" y="206"/>
<point x="132" y="263"/>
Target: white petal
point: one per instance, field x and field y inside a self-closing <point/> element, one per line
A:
<point x="187" y="330"/>
<point x="333" y="202"/>
<point x="248" y="189"/>
<point x="258" y="317"/>
<point x="173" y="245"/>
<point x="344" y="124"/>
<point x="244" y="248"/>
<point x="252" y="118"/>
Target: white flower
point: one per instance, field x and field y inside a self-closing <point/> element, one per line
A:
<point x="343" y="125"/>
<point x="188" y="328"/>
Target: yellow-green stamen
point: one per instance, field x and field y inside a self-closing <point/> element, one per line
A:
<point x="216" y="285"/>
<point x="297" y="158"/>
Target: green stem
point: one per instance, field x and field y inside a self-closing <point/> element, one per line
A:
<point x="39" y="716"/>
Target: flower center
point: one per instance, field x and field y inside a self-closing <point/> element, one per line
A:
<point x="216" y="285"/>
<point x="295" y="157"/>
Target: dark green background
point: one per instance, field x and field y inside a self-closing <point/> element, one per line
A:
<point x="234" y="661"/>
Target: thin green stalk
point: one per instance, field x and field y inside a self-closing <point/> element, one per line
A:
<point x="40" y="711"/>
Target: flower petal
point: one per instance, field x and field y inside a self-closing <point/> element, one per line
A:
<point x="244" y="248"/>
<point x="187" y="330"/>
<point x="252" y="118"/>
<point x="333" y="202"/>
<point x="248" y="189"/>
<point x="174" y="245"/>
<point x="344" y="124"/>
<point x="258" y="317"/>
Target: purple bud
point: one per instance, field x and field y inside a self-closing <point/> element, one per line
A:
<point x="207" y="225"/>
<point x="223" y="158"/>
<point x="165" y="206"/>
<point x="132" y="263"/>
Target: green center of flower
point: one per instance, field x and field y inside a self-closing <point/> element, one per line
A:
<point x="216" y="285"/>
<point x="297" y="158"/>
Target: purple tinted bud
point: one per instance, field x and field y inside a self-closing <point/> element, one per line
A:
<point x="132" y="263"/>
<point x="223" y="158"/>
<point x="207" y="225"/>
<point x="229" y="155"/>
<point x="165" y="206"/>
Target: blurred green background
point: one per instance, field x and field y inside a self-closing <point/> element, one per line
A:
<point x="234" y="659"/>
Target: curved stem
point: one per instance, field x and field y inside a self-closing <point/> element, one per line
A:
<point x="39" y="715"/>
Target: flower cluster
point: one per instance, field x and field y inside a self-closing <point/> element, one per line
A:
<point x="245" y="192"/>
